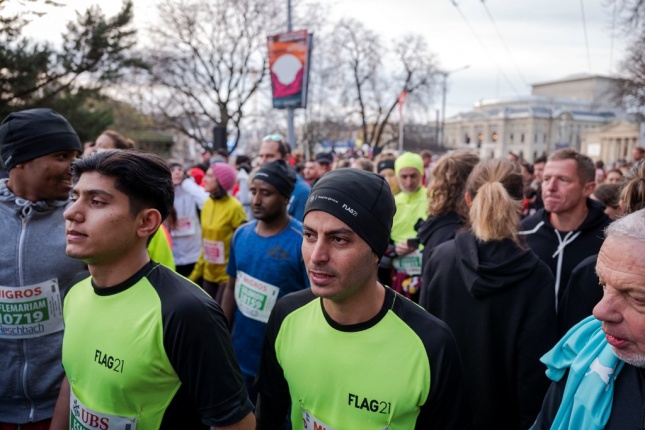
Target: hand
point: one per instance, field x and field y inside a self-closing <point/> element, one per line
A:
<point x="402" y="249"/>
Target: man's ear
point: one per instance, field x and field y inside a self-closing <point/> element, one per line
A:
<point x="589" y="188"/>
<point x="149" y="221"/>
<point x="469" y="200"/>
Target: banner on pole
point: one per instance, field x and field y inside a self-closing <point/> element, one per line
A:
<point x="401" y="102"/>
<point x="289" y="60"/>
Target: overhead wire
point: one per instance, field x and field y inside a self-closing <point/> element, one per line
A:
<point x="613" y="36"/>
<point x="481" y="42"/>
<point x="584" y="26"/>
<point x="510" y="54"/>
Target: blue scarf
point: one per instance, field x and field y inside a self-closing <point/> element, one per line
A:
<point x="593" y="368"/>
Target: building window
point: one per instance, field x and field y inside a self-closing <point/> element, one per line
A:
<point x="535" y="138"/>
<point x="522" y="138"/>
<point x="544" y="138"/>
<point x="494" y="136"/>
<point x="510" y="138"/>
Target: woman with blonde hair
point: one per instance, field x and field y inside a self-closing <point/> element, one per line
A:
<point x="498" y="298"/>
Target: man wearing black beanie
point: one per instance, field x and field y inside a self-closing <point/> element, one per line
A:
<point x="265" y="263"/>
<point x="37" y="147"/>
<point x="350" y="352"/>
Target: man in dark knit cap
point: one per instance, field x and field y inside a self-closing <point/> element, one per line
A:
<point x="265" y="263"/>
<point x="37" y="147"/>
<point x="349" y="352"/>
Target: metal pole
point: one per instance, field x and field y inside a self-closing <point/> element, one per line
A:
<point x="443" y="107"/>
<point x="289" y="28"/>
<point x="401" y="134"/>
<point x="291" y="129"/>
<point x="443" y="99"/>
<point x="436" y="128"/>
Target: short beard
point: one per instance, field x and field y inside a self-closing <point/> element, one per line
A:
<point x="636" y="360"/>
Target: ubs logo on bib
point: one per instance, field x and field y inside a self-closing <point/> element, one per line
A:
<point x="88" y="418"/>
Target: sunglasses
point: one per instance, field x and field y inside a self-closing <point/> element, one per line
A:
<point x="273" y="137"/>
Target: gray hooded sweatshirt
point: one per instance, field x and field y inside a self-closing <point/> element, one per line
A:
<point x="35" y="273"/>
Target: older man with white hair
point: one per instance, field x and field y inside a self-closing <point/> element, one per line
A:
<point x="598" y="366"/>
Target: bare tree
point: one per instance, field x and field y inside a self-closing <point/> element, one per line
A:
<point x="378" y="74"/>
<point x="631" y="13"/>
<point x="630" y="86"/>
<point x="208" y="59"/>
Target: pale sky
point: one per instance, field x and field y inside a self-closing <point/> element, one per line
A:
<point x="546" y="38"/>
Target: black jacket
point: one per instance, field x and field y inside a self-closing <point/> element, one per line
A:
<point x="627" y="412"/>
<point x="437" y="230"/>
<point x="580" y="296"/>
<point x="576" y="245"/>
<point x="498" y="299"/>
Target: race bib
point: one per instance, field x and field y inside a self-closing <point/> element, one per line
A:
<point x="83" y="418"/>
<point x="410" y="264"/>
<point x="31" y="311"/>
<point x="183" y="227"/>
<point x="254" y="298"/>
<point x="214" y="251"/>
<point x="310" y="422"/>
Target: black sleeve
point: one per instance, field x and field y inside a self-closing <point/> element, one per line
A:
<point x="432" y="260"/>
<point x="199" y="347"/>
<point x="274" y="399"/>
<point x="536" y="336"/>
<point x="551" y="404"/>
<point x="273" y="390"/>
<point x="447" y="406"/>
<point x="581" y="294"/>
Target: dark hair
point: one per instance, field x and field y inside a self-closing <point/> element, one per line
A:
<point x="283" y="148"/>
<point x="617" y="171"/>
<point x="222" y="151"/>
<point x="527" y="166"/>
<point x="608" y="194"/>
<point x="145" y="178"/>
<point x="540" y="159"/>
<point x="120" y="141"/>
<point x="585" y="167"/>
<point x="242" y="159"/>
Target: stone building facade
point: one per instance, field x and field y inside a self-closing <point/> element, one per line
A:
<point x="556" y="115"/>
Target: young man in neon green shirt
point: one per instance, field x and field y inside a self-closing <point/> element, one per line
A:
<point x="350" y="353"/>
<point x="143" y="347"/>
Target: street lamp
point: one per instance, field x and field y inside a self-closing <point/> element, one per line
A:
<point x="443" y="98"/>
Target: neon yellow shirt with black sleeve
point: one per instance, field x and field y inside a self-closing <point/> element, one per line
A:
<point x="152" y="352"/>
<point x="399" y="370"/>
